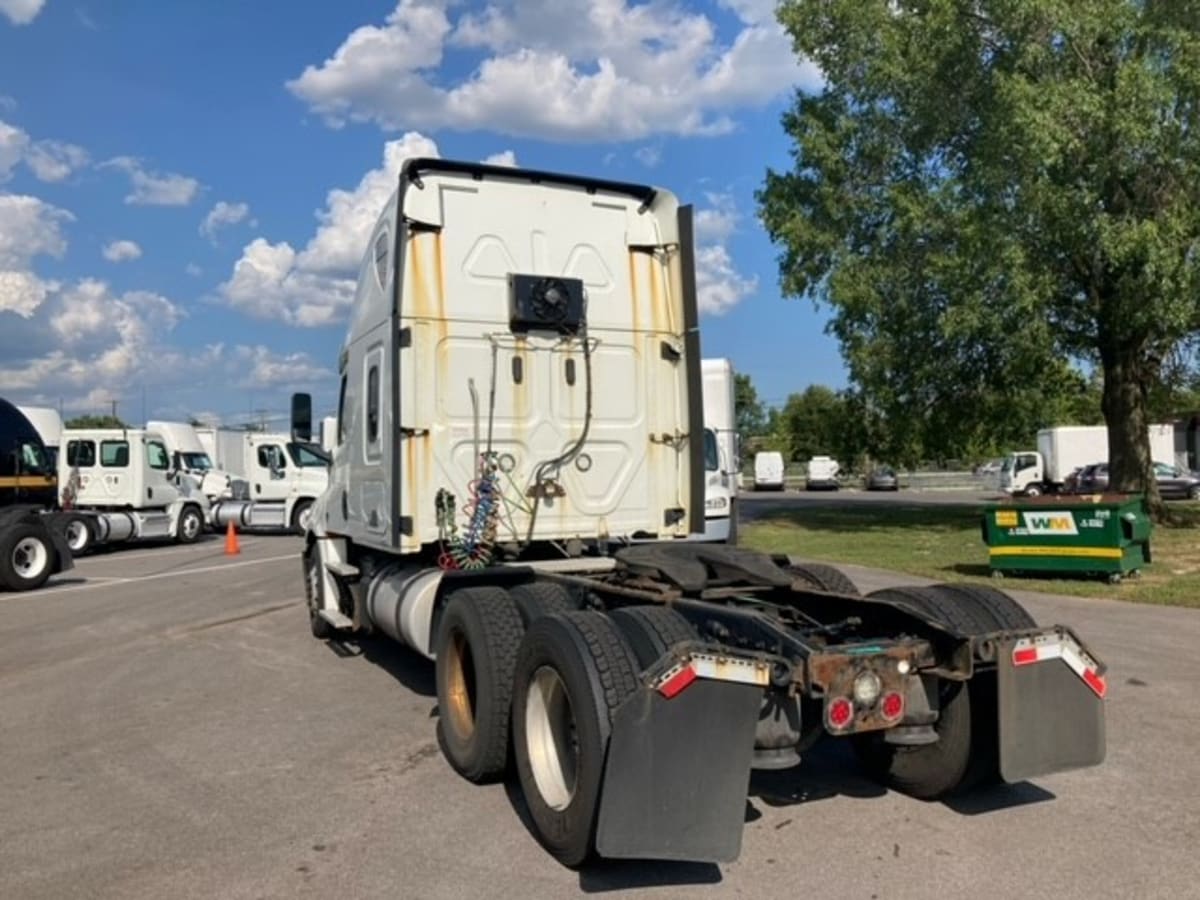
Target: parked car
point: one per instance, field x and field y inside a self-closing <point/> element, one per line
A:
<point x="883" y="479"/>
<point x="1092" y="479"/>
<point x="1175" y="483"/>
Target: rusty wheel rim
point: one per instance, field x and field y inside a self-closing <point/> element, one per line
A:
<point x="460" y="686"/>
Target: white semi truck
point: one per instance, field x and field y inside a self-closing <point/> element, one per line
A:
<point x="190" y="457"/>
<point x="1063" y="449"/>
<point x="283" y="477"/>
<point x="120" y="485"/>
<point x="721" y="463"/>
<point x="521" y="383"/>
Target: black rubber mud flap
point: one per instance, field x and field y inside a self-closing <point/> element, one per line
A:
<point x="1050" y="719"/>
<point x="678" y="772"/>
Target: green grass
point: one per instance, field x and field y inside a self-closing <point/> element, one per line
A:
<point x="944" y="543"/>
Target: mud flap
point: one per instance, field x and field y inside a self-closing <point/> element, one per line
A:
<point x="1051" y="706"/>
<point x="677" y="773"/>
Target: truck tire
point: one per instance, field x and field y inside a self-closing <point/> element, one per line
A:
<point x="478" y="635"/>
<point x="1032" y="490"/>
<point x="26" y="557"/>
<point x="300" y="516"/>
<point x="313" y="589"/>
<point x="573" y="671"/>
<point x="79" y="533"/>
<point x="540" y="598"/>
<point x="651" y="631"/>
<point x="823" y="578"/>
<point x="929" y="771"/>
<point x="190" y="525"/>
<point x="965" y="754"/>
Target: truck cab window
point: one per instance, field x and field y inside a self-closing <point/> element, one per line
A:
<point x="156" y="456"/>
<point x="382" y="246"/>
<point x="114" y="454"/>
<point x="271" y="457"/>
<point x="33" y="461"/>
<point x="341" y="413"/>
<point x="81" y="453"/>
<point x="306" y="457"/>
<point x="373" y="405"/>
<point x="712" y="457"/>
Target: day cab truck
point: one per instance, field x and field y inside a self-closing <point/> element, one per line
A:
<point x="1063" y="449"/>
<point x="720" y="451"/>
<point x="119" y="485"/>
<point x="32" y="542"/>
<point x="282" y="479"/>
<point x="520" y="390"/>
<point x="191" y="458"/>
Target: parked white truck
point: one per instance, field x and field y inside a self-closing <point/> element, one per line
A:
<point x="190" y="457"/>
<point x="520" y="383"/>
<point x="1063" y="449"/>
<point x="283" y="478"/>
<point x="721" y="462"/>
<point x="121" y="485"/>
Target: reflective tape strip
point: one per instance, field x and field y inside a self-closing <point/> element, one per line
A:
<point x="714" y="668"/>
<point x="1082" y="552"/>
<point x="1040" y="649"/>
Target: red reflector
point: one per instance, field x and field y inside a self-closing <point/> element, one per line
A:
<point x="1025" y="657"/>
<point x="840" y="712"/>
<point x="677" y="682"/>
<point x="1095" y="682"/>
<point x="892" y="706"/>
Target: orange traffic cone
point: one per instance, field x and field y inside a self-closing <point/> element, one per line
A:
<point x="231" y="541"/>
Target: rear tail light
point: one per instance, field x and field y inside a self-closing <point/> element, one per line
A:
<point x="892" y="706"/>
<point x="839" y="713"/>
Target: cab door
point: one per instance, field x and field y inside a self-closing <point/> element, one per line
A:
<point x="160" y="489"/>
<point x="270" y="470"/>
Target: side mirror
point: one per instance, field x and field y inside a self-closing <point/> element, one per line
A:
<point x="302" y="418"/>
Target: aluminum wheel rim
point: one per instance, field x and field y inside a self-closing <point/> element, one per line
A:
<point x="460" y="686"/>
<point x="551" y="739"/>
<point x="30" y="558"/>
<point x="304" y="518"/>
<point x="77" y="535"/>
<point x="191" y="525"/>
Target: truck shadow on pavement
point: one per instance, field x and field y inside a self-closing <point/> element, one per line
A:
<point x="407" y="667"/>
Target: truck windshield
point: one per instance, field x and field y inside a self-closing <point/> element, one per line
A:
<point x="306" y="456"/>
<point x="712" y="458"/>
<point x="1007" y="465"/>
<point x="196" y="462"/>
<point x="33" y="459"/>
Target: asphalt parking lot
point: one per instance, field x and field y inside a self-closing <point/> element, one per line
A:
<point x="170" y="729"/>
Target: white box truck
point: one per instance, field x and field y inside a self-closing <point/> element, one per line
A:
<point x="283" y="479"/>
<point x="520" y="382"/>
<point x="1063" y="449"/>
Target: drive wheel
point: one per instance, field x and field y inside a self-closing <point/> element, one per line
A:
<point x="79" y="535"/>
<point x="313" y="590"/>
<point x="652" y="630"/>
<point x="26" y="557"/>
<point x="574" y="670"/>
<point x="823" y="578"/>
<point x="476" y="646"/>
<point x="541" y="598"/>
<point x="301" y="516"/>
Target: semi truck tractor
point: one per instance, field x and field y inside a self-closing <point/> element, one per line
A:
<point x="519" y="387"/>
<point x="32" y="542"/>
<point x="119" y="486"/>
<point x="721" y="462"/>
<point x="191" y="458"/>
<point x="282" y="476"/>
<point x="1063" y="449"/>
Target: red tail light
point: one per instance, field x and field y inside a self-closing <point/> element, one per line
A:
<point x="839" y="713"/>
<point x="892" y="706"/>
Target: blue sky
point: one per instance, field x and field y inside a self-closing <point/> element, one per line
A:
<point x="185" y="188"/>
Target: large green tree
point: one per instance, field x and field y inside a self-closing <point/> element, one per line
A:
<point x="94" y="421"/>
<point x="751" y="417"/>
<point x="991" y="192"/>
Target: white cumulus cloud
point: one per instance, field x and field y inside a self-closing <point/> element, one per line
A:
<point x="55" y="160"/>
<point x="579" y="70"/>
<point x="121" y="251"/>
<point x="21" y="12"/>
<point x="719" y="284"/>
<point x="222" y="215"/>
<point x="154" y="188"/>
<point x="315" y="285"/>
<point x="504" y="158"/>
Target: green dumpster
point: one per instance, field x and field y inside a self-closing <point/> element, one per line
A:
<point x="1101" y="534"/>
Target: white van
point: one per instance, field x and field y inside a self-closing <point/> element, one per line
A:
<point x="768" y="471"/>
<point x="822" y="474"/>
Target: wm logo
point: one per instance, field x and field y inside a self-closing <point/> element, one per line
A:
<point x="1050" y="523"/>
